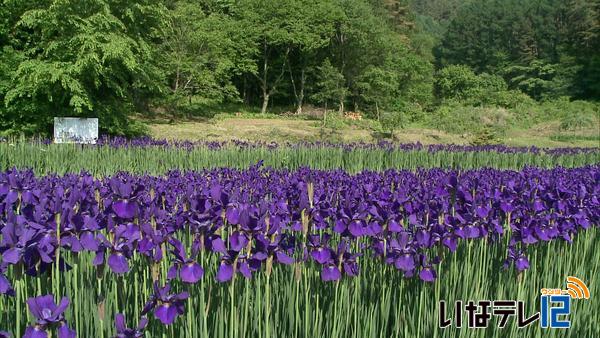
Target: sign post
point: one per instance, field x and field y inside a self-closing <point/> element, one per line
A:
<point x="75" y="130"/>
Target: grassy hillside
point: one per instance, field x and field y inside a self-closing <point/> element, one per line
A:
<point x="273" y="128"/>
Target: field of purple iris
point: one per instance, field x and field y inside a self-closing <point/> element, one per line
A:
<point x="120" y="142"/>
<point x="183" y="228"/>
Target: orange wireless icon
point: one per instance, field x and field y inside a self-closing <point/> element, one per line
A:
<point x="576" y="288"/>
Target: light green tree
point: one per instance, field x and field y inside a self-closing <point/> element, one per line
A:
<point x="378" y="86"/>
<point x="331" y="86"/>
<point x="83" y="58"/>
<point x="202" y="51"/>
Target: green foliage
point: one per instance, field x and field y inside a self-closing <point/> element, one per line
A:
<point x="545" y="48"/>
<point x="439" y="11"/>
<point x="105" y="160"/>
<point x="485" y="136"/>
<point x="458" y="119"/>
<point x="576" y="121"/>
<point x="331" y="85"/>
<point x="334" y="120"/>
<point x="378" y="86"/>
<point x="507" y="99"/>
<point x="280" y="29"/>
<point x="573" y="138"/>
<point x="258" y="115"/>
<point x="392" y="120"/>
<point x="201" y="51"/>
<point x="110" y="59"/>
<point x="459" y="83"/>
<point x="80" y="58"/>
<point x="399" y="115"/>
<point x="541" y="80"/>
<point x="559" y="110"/>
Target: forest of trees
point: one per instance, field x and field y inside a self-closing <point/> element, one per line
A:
<point x="393" y="60"/>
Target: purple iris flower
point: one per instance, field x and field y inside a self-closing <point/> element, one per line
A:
<point x="80" y="234"/>
<point x="517" y="257"/>
<point x="246" y="216"/>
<point x="394" y="226"/>
<point x="405" y="262"/>
<point x="522" y="263"/>
<point x="151" y="241"/>
<point x="427" y="274"/>
<point x="238" y="241"/>
<point x="450" y="242"/>
<point x="126" y="204"/>
<point x="215" y="243"/>
<point x="48" y="315"/>
<point x="5" y="286"/>
<point x="343" y="262"/>
<point x="166" y="306"/>
<point x="232" y="262"/>
<point x="424" y="238"/>
<point x="330" y="272"/>
<point x="351" y="221"/>
<point x="124" y="332"/>
<point x="262" y="212"/>
<point x="27" y="245"/>
<point x="225" y="272"/>
<point x="121" y="249"/>
<point x="186" y="268"/>
<point x="10" y="189"/>
<point x="319" y="250"/>
<point x="280" y="247"/>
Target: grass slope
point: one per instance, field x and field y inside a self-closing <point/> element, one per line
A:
<point x="294" y="130"/>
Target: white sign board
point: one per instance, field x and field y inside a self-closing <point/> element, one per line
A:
<point x="75" y="130"/>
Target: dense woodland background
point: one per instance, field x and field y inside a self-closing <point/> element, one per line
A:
<point x="447" y="64"/>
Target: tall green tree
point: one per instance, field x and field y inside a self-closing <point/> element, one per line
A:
<point x="202" y="49"/>
<point x="378" y="86"/>
<point x="90" y="58"/>
<point x="319" y="17"/>
<point x="331" y="86"/>
<point x="546" y="48"/>
<point x="583" y="33"/>
<point x="278" y="28"/>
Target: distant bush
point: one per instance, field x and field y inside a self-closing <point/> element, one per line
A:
<point x="458" y="119"/>
<point x="485" y="136"/>
<point x="460" y="84"/>
<point x="457" y="82"/>
<point x="411" y="111"/>
<point x="571" y="114"/>
<point x="576" y="121"/>
<point x="506" y="99"/>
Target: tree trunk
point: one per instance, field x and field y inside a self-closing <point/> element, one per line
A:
<point x="341" y="107"/>
<point x="264" y="86"/>
<point x="176" y="81"/>
<point x="377" y="110"/>
<point x="264" y="79"/>
<point x="300" y="98"/>
<point x="265" y="102"/>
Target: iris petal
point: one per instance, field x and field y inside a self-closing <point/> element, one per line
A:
<point x="125" y="208"/>
<point x="191" y="272"/>
<point x="225" y="273"/>
<point x="118" y="263"/>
